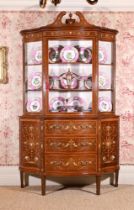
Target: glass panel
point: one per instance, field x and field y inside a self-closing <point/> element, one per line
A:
<point x="33" y="76"/>
<point x="105" y="52"/>
<point x="33" y="101"/>
<point x="105" y="101"/>
<point x="33" y="53"/>
<point x="70" y="76"/>
<point x="105" y="77"/>
<point x="70" y="51"/>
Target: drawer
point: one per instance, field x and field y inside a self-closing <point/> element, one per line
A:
<point x="70" y="163"/>
<point x="71" y="127"/>
<point x="70" y="144"/>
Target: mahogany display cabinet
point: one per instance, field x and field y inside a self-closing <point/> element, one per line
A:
<point x="69" y="126"/>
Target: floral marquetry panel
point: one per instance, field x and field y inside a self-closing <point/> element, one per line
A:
<point x="31" y="143"/>
<point x="71" y="144"/>
<point x="70" y="164"/>
<point x="73" y="127"/>
<point x="109" y="143"/>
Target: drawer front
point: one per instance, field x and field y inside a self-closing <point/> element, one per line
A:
<point x="71" y="127"/>
<point x="73" y="163"/>
<point x="70" y="144"/>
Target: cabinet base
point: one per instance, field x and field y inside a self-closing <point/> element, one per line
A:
<point x="24" y="179"/>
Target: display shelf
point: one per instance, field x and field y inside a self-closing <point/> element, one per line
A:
<point x="70" y="90"/>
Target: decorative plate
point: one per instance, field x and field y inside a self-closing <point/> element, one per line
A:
<point x="69" y="54"/>
<point x="54" y="54"/>
<point x="34" y="105"/>
<point x="103" y="80"/>
<point x="88" y="82"/>
<point x="34" y="81"/>
<point x="85" y="55"/>
<point x="36" y="55"/>
<point x="105" y="104"/>
<point x="102" y="55"/>
<point x="75" y="101"/>
<point x="57" y="103"/>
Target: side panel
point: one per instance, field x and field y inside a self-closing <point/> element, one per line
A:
<point x="30" y="144"/>
<point x="109" y="137"/>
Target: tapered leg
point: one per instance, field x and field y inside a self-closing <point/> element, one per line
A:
<point x="98" y="180"/>
<point x="43" y="185"/>
<point x="22" y="179"/>
<point x="116" y="178"/>
<point x="112" y="177"/>
<point x="26" y="180"/>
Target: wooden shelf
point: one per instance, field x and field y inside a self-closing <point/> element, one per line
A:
<point x="34" y="90"/>
<point x="33" y="64"/>
<point x="105" y="89"/>
<point x="72" y="90"/>
<point x="76" y="63"/>
<point x="103" y="64"/>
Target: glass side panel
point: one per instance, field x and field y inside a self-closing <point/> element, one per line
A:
<point x="33" y="101"/>
<point x="33" y="77"/>
<point x="70" y="76"/>
<point x="105" y="101"/>
<point x="105" y="77"/>
<point x="105" y="81"/>
<point x="33" y="52"/>
<point x="105" y="53"/>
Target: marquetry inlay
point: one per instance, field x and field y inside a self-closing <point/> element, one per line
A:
<point x="71" y="163"/>
<point x="107" y="36"/>
<point x="31" y="143"/>
<point x="109" y="137"/>
<point x="74" y="127"/>
<point x="70" y="144"/>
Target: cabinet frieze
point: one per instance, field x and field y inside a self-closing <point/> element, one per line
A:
<point x="71" y="33"/>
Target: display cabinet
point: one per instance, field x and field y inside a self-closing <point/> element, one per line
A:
<point x="69" y="126"/>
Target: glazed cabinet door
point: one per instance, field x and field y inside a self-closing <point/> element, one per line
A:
<point x="70" y="75"/>
<point x="109" y="137"/>
<point x="30" y="143"/>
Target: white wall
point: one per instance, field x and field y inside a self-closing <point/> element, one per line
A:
<point x="73" y="5"/>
